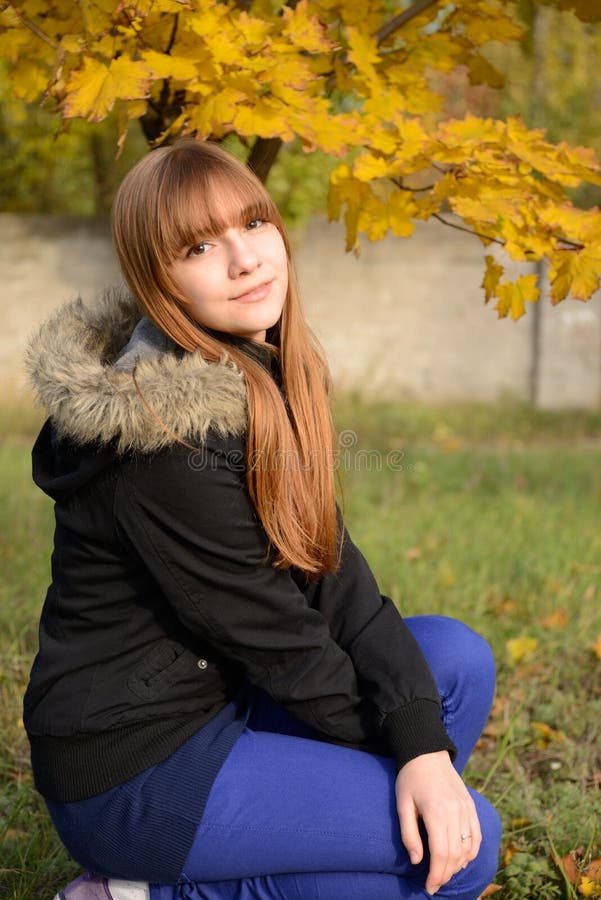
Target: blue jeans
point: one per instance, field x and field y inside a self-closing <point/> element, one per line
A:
<point x="293" y="818"/>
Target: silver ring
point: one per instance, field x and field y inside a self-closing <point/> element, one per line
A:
<point x="464" y="838"/>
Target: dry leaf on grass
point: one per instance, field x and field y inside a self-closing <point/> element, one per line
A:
<point x="490" y="890"/>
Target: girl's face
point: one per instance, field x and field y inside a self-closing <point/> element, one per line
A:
<point x="235" y="282"/>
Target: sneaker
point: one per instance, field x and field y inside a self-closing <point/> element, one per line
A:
<point x="86" y="887"/>
<point x="95" y="887"/>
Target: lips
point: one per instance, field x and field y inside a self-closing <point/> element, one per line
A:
<point x="254" y="294"/>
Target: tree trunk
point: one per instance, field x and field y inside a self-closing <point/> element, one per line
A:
<point x="263" y="155"/>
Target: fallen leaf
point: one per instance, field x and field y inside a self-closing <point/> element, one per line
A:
<point x="593" y="870"/>
<point x="490" y="890"/>
<point x="521" y="648"/>
<point x="545" y="734"/>
<point x="568" y="865"/>
<point x="589" y="888"/>
<point x="557" y="619"/>
<point x="521" y="822"/>
<point x="597" y="647"/>
<point x="510" y="852"/>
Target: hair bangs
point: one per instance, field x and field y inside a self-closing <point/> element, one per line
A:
<point x="202" y="198"/>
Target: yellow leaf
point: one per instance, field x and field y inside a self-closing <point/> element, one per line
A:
<point x="163" y="65"/>
<point x="510" y="852"/>
<point x="545" y="735"/>
<point x="264" y="119"/>
<point x="482" y="72"/>
<point x="521" y="648"/>
<point x="401" y="209"/>
<point x="97" y="15"/>
<point x="29" y="80"/>
<point x="492" y="277"/>
<point x="367" y="166"/>
<point x="586" y="272"/>
<point x="513" y="296"/>
<point x="363" y="53"/>
<point x="490" y="890"/>
<point x="254" y="31"/>
<point x="304" y="30"/>
<point x="574" y="272"/>
<point x="92" y="90"/>
<point x="73" y="43"/>
<point x="588" y="887"/>
<point x="597" y="647"/>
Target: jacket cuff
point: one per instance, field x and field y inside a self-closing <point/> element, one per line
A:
<point x="414" y="729"/>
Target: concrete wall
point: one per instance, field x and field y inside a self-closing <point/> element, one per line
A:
<point x="405" y="319"/>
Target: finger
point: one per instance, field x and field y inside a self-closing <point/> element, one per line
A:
<point x="410" y="835"/>
<point x="475" y="840"/>
<point x="470" y="835"/>
<point x="440" y="865"/>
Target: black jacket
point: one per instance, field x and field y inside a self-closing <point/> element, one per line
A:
<point x="162" y="605"/>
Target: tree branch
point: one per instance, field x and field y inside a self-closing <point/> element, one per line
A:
<point x="33" y="27"/>
<point x="386" y="30"/>
<point x="486" y="237"/>
<point x="173" y="33"/>
<point x="572" y="245"/>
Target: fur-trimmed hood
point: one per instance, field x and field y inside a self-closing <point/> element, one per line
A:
<point x="81" y="364"/>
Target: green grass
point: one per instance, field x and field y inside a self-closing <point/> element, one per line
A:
<point x="489" y="514"/>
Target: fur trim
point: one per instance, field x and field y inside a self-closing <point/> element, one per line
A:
<point x="71" y="365"/>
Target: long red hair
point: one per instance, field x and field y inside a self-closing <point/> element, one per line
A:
<point x="169" y="199"/>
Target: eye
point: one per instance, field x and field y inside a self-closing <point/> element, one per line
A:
<point x="255" y="223"/>
<point x="198" y="249"/>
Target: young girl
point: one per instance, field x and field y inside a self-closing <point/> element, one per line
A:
<point x="223" y="705"/>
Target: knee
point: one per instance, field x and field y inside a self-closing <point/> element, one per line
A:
<point x="455" y="651"/>
<point x="472" y="652"/>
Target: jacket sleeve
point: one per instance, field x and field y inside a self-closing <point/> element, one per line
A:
<point x="190" y="520"/>
<point x="392" y="670"/>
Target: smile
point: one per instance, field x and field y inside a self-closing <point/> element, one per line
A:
<point x="257" y="293"/>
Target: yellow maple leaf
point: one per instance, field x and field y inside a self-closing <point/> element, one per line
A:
<point x="521" y="648"/>
<point x="264" y="118"/>
<point x="575" y="272"/>
<point x="92" y="90"/>
<point x="364" y="54"/>
<point x="586" y="272"/>
<point x="401" y="208"/>
<point x="367" y="166"/>
<point x="492" y="276"/>
<point x="97" y="15"/>
<point x="304" y="30"/>
<point x="163" y="65"/>
<point x="513" y="296"/>
<point x="253" y="30"/>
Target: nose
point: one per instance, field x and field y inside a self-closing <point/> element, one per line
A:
<point x="243" y="257"/>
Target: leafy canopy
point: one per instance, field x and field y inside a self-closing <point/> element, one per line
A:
<point x="352" y="80"/>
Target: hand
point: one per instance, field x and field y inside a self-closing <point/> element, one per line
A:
<point x="428" y="787"/>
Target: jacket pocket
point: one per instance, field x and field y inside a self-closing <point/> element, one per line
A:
<point x="163" y="666"/>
